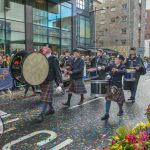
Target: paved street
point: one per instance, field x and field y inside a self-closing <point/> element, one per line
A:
<point x="77" y="128"/>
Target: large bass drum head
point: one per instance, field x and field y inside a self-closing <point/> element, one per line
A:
<point x="35" y="68"/>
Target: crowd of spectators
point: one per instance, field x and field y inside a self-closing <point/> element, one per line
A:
<point x="4" y="61"/>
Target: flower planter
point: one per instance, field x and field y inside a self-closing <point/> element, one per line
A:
<point x="148" y="117"/>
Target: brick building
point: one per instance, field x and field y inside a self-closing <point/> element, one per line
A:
<point x="147" y="34"/>
<point x="120" y="24"/>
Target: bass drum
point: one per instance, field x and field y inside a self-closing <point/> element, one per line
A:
<point x="29" y="67"/>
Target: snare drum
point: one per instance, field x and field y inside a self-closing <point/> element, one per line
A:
<point x="99" y="88"/>
<point x="130" y="75"/>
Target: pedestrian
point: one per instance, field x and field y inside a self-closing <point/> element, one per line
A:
<point x="76" y="74"/>
<point x="134" y="61"/>
<point x="66" y="59"/>
<point x="54" y="74"/>
<point x="116" y="71"/>
<point x="99" y="61"/>
<point x="27" y="86"/>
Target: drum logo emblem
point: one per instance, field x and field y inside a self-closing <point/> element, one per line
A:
<point x="1" y="127"/>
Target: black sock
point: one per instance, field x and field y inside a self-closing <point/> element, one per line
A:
<point x="50" y="105"/>
<point x="82" y="97"/>
<point x="120" y="108"/>
<point x="69" y="98"/>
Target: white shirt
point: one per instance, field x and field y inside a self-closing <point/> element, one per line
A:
<point x="48" y="55"/>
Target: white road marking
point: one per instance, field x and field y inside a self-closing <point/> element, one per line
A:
<point x="2" y="113"/>
<point x="52" y="134"/>
<point x="62" y="145"/>
<point x="9" y="130"/>
<point x="5" y="116"/>
<point x="86" y="103"/>
<point x="52" y="137"/>
<point x="10" y="121"/>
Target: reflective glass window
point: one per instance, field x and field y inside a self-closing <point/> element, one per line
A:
<point x="1" y="8"/>
<point x="15" y="10"/>
<point x="15" y="26"/>
<point x="39" y="38"/>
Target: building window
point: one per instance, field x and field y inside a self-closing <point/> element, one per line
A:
<point x="15" y="24"/>
<point x="101" y="43"/>
<point x="83" y="31"/>
<point x="124" y="31"/>
<point x="80" y="4"/>
<point x="124" y="6"/>
<point x="103" y="11"/>
<point x="124" y="18"/>
<point x="123" y="42"/>
<point x="113" y="20"/>
<point x="101" y="33"/>
<point x="102" y="22"/>
<point x="113" y="9"/>
<point x="52" y="24"/>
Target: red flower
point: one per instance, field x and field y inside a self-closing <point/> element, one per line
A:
<point x="131" y="138"/>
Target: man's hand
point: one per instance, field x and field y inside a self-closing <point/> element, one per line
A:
<point x="114" y="70"/>
<point x="61" y="85"/>
<point x="137" y="68"/>
<point x="103" y="67"/>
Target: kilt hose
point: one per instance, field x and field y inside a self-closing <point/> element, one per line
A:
<point x="77" y="87"/>
<point x="116" y="94"/>
<point x="47" y="89"/>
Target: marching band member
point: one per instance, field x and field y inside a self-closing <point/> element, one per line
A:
<point x="47" y="87"/>
<point x="66" y="60"/>
<point x="117" y="70"/>
<point x="99" y="61"/>
<point x="76" y="84"/>
<point x="134" y="61"/>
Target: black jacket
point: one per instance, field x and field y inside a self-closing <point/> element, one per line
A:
<point x="96" y="61"/>
<point x="100" y="61"/>
<point x="77" y="69"/>
<point x="54" y="70"/>
<point x="116" y="78"/>
<point x="135" y="62"/>
<point x="66" y="60"/>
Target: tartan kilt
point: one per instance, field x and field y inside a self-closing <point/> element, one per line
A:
<point x="116" y="94"/>
<point x="77" y="87"/>
<point x="47" y="89"/>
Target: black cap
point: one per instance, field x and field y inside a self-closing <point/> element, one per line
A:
<point x="121" y="57"/>
<point x="76" y="50"/>
<point x="133" y="49"/>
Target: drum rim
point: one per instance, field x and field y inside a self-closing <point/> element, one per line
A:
<point x="99" y="81"/>
<point x="10" y="68"/>
<point x="24" y="60"/>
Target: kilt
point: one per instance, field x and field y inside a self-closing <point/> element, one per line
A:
<point x="77" y="87"/>
<point x="116" y="94"/>
<point x="47" y="89"/>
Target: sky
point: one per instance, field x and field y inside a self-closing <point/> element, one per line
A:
<point x="148" y="4"/>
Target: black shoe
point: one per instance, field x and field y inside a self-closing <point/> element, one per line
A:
<point x="81" y="102"/>
<point x="50" y="112"/>
<point x="131" y="99"/>
<point x="120" y="113"/>
<point x="66" y="104"/>
<point x="105" y="117"/>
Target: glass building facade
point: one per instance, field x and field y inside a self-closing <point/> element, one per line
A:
<point x="27" y="25"/>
